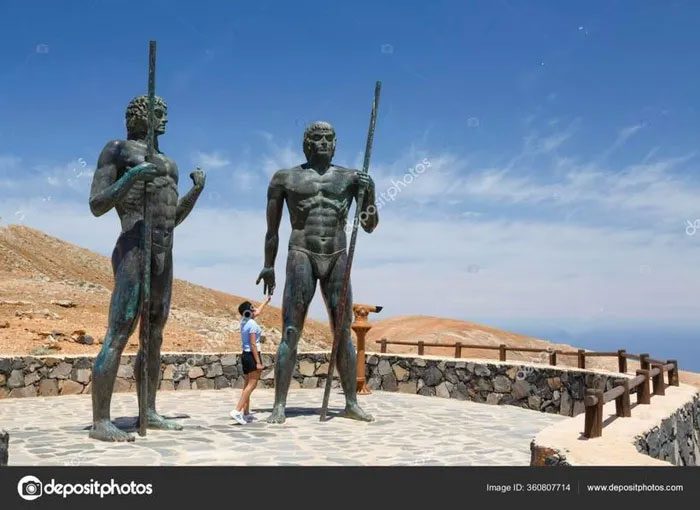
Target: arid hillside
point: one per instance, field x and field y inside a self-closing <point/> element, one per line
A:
<point x="53" y="292"/>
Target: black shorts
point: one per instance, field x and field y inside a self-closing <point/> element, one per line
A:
<point x="248" y="362"/>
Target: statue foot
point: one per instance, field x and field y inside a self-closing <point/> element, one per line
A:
<point x="105" y="430"/>
<point x="158" y="422"/>
<point x="355" y="412"/>
<point x="277" y="415"/>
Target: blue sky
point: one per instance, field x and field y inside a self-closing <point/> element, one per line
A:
<point x="562" y="142"/>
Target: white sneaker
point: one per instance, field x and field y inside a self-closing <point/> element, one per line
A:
<point x="238" y="417"/>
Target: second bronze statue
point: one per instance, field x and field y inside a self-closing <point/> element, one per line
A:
<point x="119" y="180"/>
<point x="318" y="196"/>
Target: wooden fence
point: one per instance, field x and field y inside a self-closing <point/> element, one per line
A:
<point x="651" y="370"/>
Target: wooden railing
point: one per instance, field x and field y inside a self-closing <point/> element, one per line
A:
<point x="503" y="349"/>
<point x="596" y="398"/>
<point x="650" y="371"/>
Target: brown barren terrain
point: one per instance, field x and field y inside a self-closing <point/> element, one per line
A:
<point x="50" y="289"/>
<point x="53" y="292"/>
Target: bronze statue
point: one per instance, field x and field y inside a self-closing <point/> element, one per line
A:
<point x="122" y="172"/>
<point x="318" y="196"/>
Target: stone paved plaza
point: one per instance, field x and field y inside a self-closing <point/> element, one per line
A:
<point x="409" y="430"/>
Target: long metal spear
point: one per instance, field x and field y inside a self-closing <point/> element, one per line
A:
<point x="340" y="314"/>
<point x="145" y="323"/>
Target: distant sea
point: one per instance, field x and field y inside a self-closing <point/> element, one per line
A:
<point x="660" y="341"/>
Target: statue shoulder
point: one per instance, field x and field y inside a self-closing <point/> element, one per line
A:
<point x="279" y="178"/>
<point x="350" y="173"/>
<point x="111" y="152"/>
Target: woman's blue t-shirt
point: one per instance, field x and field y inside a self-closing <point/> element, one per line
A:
<point x="249" y="326"/>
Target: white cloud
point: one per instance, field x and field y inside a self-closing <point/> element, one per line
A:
<point x="281" y="156"/>
<point x="210" y="160"/>
<point x="623" y="135"/>
<point x="520" y="269"/>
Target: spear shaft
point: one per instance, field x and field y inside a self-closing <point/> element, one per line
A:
<point x="340" y="313"/>
<point x="145" y="322"/>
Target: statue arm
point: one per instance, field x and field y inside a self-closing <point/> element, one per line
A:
<point x="186" y="203"/>
<point x="275" y="203"/>
<point x="106" y="189"/>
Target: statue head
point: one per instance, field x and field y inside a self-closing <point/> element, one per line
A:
<point x="137" y="116"/>
<point x="319" y="141"/>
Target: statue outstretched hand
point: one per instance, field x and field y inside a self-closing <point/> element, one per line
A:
<point x="267" y="275"/>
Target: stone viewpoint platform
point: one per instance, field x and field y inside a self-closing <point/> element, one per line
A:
<point x="409" y="430"/>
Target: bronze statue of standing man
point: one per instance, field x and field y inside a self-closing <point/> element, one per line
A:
<point x="119" y="181"/>
<point x="318" y="196"/>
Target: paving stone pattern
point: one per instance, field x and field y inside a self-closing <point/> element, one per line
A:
<point x="409" y="430"/>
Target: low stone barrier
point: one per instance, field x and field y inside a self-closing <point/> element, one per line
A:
<point x="677" y="438"/>
<point x="538" y="387"/>
<point x="542" y="388"/>
<point x="30" y="376"/>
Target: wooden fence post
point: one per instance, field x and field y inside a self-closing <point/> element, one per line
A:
<point x="502" y="352"/>
<point x="644" y="361"/>
<point x="458" y="350"/>
<point x="622" y="361"/>
<point x="553" y="358"/>
<point x="383" y="344"/>
<point x="643" y="395"/>
<point x="623" y="408"/>
<point x="421" y="347"/>
<point x="593" y="423"/>
<point x="673" y="373"/>
<point x="581" y="358"/>
<point x="658" y="381"/>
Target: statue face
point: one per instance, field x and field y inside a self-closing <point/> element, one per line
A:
<point x="320" y="142"/>
<point x="161" y="115"/>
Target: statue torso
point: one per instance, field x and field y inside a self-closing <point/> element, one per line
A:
<point x="318" y="206"/>
<point x="163" y="199"/>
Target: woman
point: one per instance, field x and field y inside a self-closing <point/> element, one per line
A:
<point x="250" y="358"/>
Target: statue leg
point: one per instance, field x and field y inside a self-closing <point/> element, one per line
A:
<point x="123" y="316"/>
<point x="161" y="292"/>
<point x="299" y="289"/>
<point x="346" y="360"/>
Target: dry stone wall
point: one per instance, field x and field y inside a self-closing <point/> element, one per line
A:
<point x="547" y="389"/>
<point x="677" y="438"/>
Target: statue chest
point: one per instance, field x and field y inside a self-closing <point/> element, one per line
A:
<point x="332" y="187"/>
